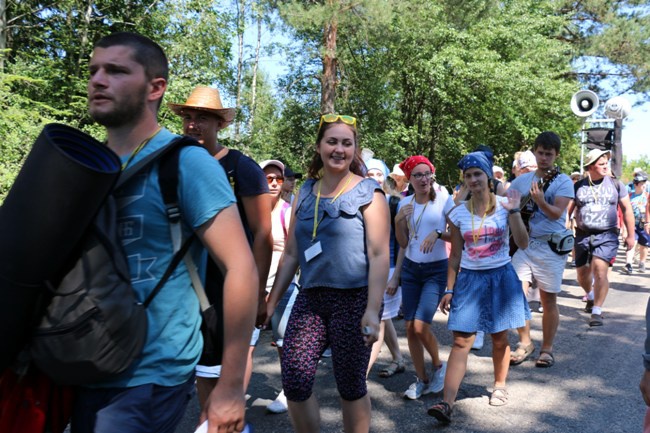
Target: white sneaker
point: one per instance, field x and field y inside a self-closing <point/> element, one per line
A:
<point x="437" y="382"/>
<point x="479" y="340"/>
<point x="279" y="405"/>
<point x="327" y="353"/>
<point x="416" y="389"/>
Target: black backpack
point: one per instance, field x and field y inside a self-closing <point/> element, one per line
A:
<point x="93" y="327"/>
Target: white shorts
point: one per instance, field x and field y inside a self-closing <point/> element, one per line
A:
<point x="214" y="371"/>
<point x="540" y="262"/>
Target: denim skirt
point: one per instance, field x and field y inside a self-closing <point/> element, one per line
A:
<point x="489" y="300"/>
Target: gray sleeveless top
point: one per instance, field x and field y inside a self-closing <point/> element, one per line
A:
<point x="343" y="263"/>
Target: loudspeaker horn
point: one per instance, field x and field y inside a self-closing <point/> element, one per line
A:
<point x="618" y="107"/>
<point x="584" y="103"/>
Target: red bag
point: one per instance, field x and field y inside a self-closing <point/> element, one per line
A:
<point x="33" y="403"/>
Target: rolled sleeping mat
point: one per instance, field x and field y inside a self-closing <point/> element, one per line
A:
<point x="61" y="186"/>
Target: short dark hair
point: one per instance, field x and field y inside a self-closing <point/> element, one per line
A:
<point x="146" y="52"/>
<point x="548" y="140"/>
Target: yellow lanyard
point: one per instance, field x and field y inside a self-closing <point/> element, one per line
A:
<point x="476" y="235"/>
<point x="413" y="228"/>
<point x="595" y="191"/>
<point x="139" y="148"/>
<point x="338" y="194"/>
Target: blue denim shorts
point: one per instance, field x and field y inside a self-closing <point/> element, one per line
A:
<point x="423" y="284"/>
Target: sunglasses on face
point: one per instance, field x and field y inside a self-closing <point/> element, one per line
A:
<point x="417" y="176"/>
<point x="271" y="179"/>
<point x="331" y="118"/>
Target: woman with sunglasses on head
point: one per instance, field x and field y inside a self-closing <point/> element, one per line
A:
<point x="420" y="229"/>
<point x="486" y="294"/>
<point x="339" y="238"/>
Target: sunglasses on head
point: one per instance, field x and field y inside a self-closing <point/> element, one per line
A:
<point x="270" y="180"/>
<point x="331" y="118"/>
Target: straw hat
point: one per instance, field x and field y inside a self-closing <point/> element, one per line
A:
<point x="594" y="155"/>
<point x="206" y="99"/>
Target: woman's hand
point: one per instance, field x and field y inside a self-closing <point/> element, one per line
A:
<point x="392" y="285"/>
<point x="370" y="326"/>
<point x="404" y="213"/>
<point x="427" y="244"/>
<point x="445" y="303"/>
<point x="514" y="199"/>
<point x="270" y="309"/>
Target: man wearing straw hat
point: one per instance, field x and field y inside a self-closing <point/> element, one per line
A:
<point x="128" y="79"/>
<point x="203" y="117"/>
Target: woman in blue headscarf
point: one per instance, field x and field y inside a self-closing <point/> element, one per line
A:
<point x="486" y="295"/>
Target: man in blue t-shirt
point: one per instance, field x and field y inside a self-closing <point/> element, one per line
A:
<point x="546" y="193"/>
<point x="128" y="78"/>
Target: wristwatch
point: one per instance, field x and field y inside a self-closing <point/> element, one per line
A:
<point x="439" y="233"/>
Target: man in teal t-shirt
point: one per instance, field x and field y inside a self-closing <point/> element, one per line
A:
<point x="128" y="78"/>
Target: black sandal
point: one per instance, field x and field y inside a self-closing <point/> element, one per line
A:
<point x="441" y="411"/>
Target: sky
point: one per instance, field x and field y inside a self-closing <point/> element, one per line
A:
<point x="636" y="133"/>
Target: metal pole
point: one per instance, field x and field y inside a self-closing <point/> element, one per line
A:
<point x="617" y="149"/>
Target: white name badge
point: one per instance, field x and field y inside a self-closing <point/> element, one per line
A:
<point x="313" y="251"/>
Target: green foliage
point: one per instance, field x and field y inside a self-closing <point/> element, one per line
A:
<point x="431" y="77"/>
<point x="611" y="42"/>
<point x="21" y="121"/>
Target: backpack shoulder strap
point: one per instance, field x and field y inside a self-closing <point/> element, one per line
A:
<point x="168" y="181"/>
<point x="149" y="159"/>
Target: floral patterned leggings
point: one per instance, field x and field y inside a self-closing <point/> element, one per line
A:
<point x="323" y="317"/>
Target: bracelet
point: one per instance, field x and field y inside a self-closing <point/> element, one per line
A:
<point x="448" y="292"/>
<point x="514" y="210"/>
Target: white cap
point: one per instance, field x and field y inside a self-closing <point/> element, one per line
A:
<point x="527" y="159"/>
<point x="275" y="162"/>
<point x="497" y="169"/>
<point x="397" y="171"/>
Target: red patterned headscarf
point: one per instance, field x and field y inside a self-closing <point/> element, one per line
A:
<point x="409" y="164"/>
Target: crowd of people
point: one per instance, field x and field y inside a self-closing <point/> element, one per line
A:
<point x="329" y="266"/>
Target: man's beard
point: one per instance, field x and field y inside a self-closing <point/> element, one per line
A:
<point x="125" y="112"/>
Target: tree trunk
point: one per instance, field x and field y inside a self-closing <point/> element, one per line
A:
<point x="328" y="79"/>
<point x="3" y="33"/>
<point x="241" y="18"/>
<point x="255" y="65"/>
<point x="83" y="43"/>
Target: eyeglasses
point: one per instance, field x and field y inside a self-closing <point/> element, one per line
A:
<point x="428" y="175"/>
<point x="331" y="118"/>
<point x="271" y="179"/>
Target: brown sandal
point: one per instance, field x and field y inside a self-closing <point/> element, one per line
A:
<point x="545" y="359"/>
<point x="499" y="397"/>
<point x="521" y="353"/>
<point x="393" y="368"/>
<point x="441" y="411"/>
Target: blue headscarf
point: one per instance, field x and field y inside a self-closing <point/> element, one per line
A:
<point x="478" y="160"/>
<point x="377" y="164"/>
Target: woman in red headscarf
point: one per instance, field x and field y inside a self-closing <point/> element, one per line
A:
<point x="420" y="228"/>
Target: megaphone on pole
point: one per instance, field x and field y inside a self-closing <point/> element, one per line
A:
<point x="618" y="107"/>
<point x="584" y="103"/>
